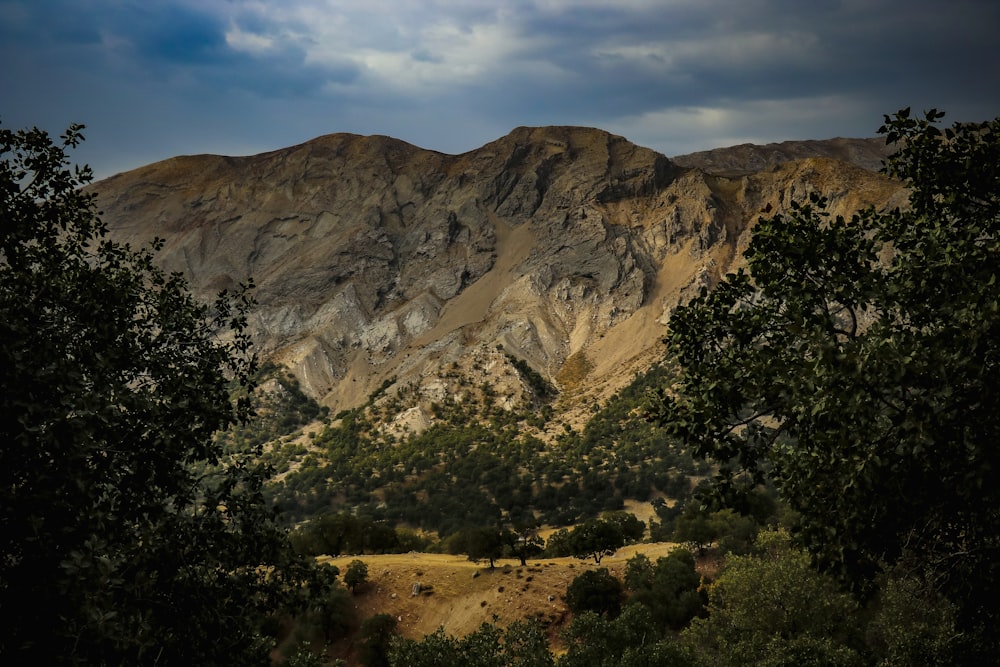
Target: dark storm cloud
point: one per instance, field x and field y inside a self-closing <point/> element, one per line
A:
<point x="701" y="53"/>
<point x="154" y="79"/>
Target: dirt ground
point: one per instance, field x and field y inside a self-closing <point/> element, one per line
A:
<point x="459" y="595"/>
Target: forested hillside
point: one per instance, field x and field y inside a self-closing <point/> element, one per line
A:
<point x="480" y="464"/>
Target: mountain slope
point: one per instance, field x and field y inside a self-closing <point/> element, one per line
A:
<point x="746" y="159"/>
<point x="562" y="247"/>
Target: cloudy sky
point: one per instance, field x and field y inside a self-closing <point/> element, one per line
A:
<point x="157" y="78"/>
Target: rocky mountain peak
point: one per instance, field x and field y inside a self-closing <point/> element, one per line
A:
<point x="564" y="248"/>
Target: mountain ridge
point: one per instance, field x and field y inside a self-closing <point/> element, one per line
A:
<point x="747" y="158"/>
<point x="377" y="260"/>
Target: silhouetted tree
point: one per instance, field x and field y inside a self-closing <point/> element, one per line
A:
<point x="130" y="536"/>
<point x="484" y="544"/>
<point x="856" y="363"/>
<point x="356" y="574"/>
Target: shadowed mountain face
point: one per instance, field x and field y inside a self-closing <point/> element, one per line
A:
<point x="563" y="247"/>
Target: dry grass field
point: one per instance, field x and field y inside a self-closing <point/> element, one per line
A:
<point x="459" y="595"/>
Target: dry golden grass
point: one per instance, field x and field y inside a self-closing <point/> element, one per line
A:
<point x="459" y="595"/>
<point x="574" y="370"/>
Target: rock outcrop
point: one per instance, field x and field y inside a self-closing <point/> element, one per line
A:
<point x="377" y="260"/>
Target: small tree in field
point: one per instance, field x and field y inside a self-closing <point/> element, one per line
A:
<point x="484" y="544"/>
<point x="524" y="545"/>
<point x="356" y="575"/>
<point x="596" y="539"/>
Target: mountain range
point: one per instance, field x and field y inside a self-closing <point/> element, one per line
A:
<point x="561" y="250"/>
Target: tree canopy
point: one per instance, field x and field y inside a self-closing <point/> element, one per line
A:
<point x="521" y="643"/>
<point x="129" y="535"/>
<point x="598" y="591"/>
<point x="773" y="608"/>
<point x="855" y="363"/>
<point x="596" y="538"/>
<point x="670" y="588"/>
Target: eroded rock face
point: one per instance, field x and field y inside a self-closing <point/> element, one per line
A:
<point x="747" y="159"/>
<point x="376" y="259"/>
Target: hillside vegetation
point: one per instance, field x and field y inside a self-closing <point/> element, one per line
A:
<point x="480" y="464"/>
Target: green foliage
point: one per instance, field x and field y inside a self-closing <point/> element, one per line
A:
<point x="596" y="591"/>
<point x="130" y="536"/>
<point x="696" y="528"/>
<point x="630" y="528"/>
<point x="521" y="644"/>
<point x="559" y="544"/>
<point x="374" y="638"/>
<point x="856" y="363"/>
<point x="434" y="650"/>
<point x="479" y="465"/>
<point x="335" y="534"/>
<point x="913" y="625"/>
<point x="774" y="608"/>
<point x="670" y="589"/>
<point x="638" y="572"/>
<point x="700" y="527"/>
<point x="595" y="538"/>
<point x="356" y="574"/>
<point x="484" y="544"/>
<point x="303" y="656"/>
<point x="328" y="613"/>
<point x="630" y="640"/>
<point x="523" y="545"/>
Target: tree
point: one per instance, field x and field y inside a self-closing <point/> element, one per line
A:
<point x="327" y="614"/>
<point x="329" y="534"/>
<point x="129" y="536"/>
<point x="638" y="572"/>
<point x="596" y="539"/>
<point x="559" y="544"/>
<point x="522" y="643"/>
<point x="695" y="527"/>
<point x="670" y="589"/>
<point x="912" y="625"/>
<point x="598" y="591"/>
<point x="374" y="639"/>
<point x="700" y="527"/>
<point x="356" y="574"/>
<point x="774" y="608"/>
<point x="631" y="528"/>
<point x="484" y="544"/>
<point x="630" y="640"/>
<point x="856" y="363"/>
<point x="524" y="544"/>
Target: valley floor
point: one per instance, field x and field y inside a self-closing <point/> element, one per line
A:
<point x="459" y="595"/>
